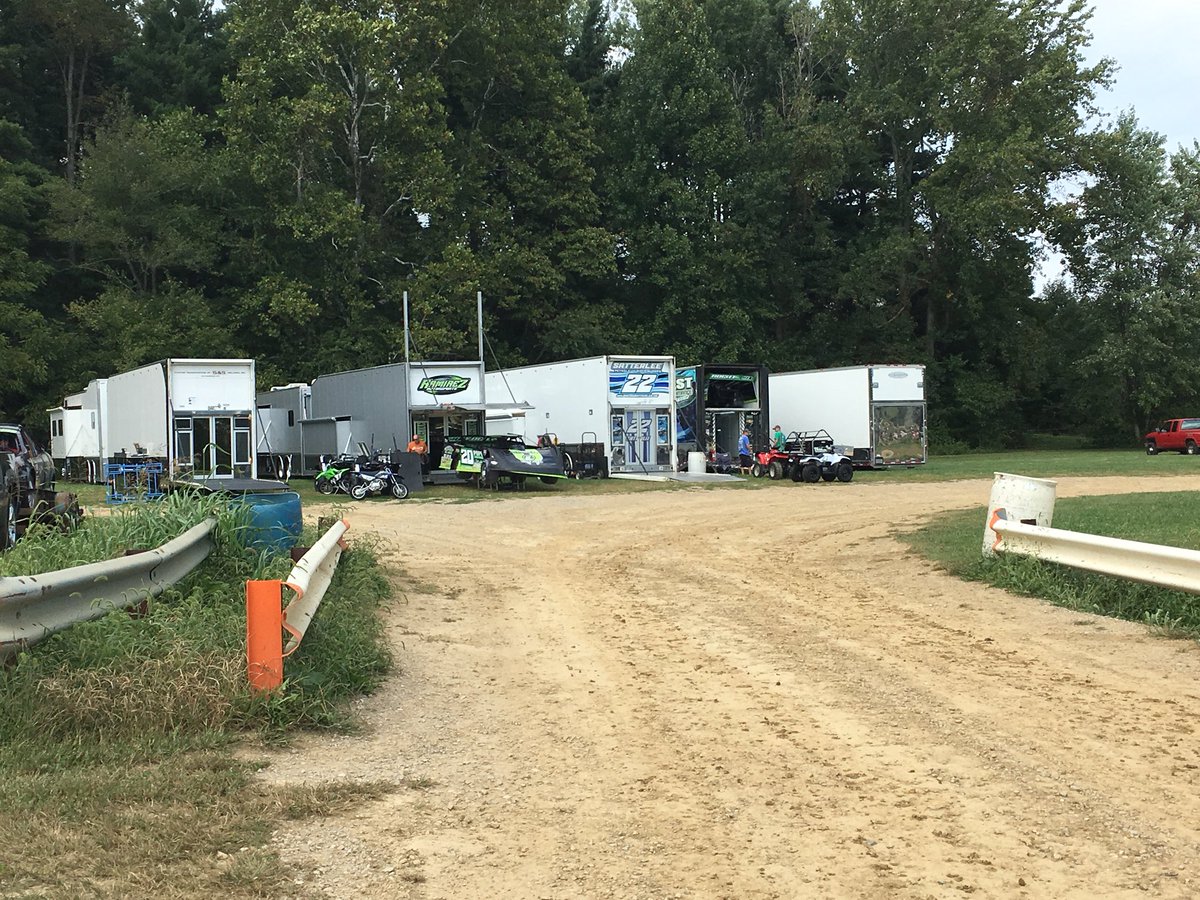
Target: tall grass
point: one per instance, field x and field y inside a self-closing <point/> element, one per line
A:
<point x="954" y="541"/>
<point x="115" y="768"/>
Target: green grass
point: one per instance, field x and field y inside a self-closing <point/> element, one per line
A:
<point x="117" y="771"/>
<point x="1040" y="464"/>
<point x="954" y="542"/>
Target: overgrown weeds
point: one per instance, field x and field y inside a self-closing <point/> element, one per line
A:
<point x="116" y="766"/>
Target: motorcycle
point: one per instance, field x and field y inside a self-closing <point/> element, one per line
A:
<point x="374" y="477"/>
<point x="337" y="475"/>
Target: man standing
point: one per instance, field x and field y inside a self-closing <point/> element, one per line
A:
<point x="745" y="460"/>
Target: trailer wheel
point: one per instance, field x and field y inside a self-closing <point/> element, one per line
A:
<point x="845" y="472"/>
<point x="810" y="473"/>
<point x="8" y="523"/>
<point x="775" y="469"/>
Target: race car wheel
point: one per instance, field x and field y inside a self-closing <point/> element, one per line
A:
<point x="810" y="473"/>
<point x="757" y="470"/>
<point x="845" y="472"/>
<point x="8" y="523"/>
<point x="399" y="490"/>
<point x="775" y="470"/>
<point x="359" y="491"/>
<point x="546" y="479"/>
<point x="1151" y="448"/>
<point x="324" y="485"/>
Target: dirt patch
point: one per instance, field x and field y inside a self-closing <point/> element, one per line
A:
<point x="743" y="694"/>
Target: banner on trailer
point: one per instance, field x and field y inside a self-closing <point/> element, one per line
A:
<point x="640" y="382"/>
<point x="687" y="425"/>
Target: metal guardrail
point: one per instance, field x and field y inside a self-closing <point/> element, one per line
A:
<point x="32" y="607"/>
<point x="265" y="622"/>
<point x="309" y="580"/>
<point x="1168" y="567"/>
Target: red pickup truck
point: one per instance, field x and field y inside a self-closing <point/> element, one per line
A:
<point x="1182" y="435"/>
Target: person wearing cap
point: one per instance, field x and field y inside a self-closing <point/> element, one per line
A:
<point x="777" y="438"/>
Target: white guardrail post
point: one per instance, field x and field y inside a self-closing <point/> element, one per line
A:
<point x="1019" y="529"/>
<point x="309" y="580"/>
<point x="32" y="607"/>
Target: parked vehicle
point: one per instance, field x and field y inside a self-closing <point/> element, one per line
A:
<point x="336" y="475"/>
<point x="772" y="463"/>
<point x="812" y="458"/>
<point x="877" y="413"/>
<point x="1180" y="435"/>
<point x="27" y="475"/>
<point x="373" y="475"/>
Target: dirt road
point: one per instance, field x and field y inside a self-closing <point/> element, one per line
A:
<point x="749" y="694"/>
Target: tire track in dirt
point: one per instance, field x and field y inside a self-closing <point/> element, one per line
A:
<point x="780" y="703"/>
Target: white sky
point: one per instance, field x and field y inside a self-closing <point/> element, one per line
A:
<point x="1156" y="44"/>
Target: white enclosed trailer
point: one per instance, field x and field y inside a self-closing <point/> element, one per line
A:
<point x="623" y="404"/>
<point x="196" y="416"/>
<point x="78" y="431"/>
<point x="876" y="414"/>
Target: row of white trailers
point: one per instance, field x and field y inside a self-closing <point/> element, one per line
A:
<point x="625" y="414"/>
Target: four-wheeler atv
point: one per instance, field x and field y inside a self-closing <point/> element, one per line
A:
<point x="770" y="462"/>
<point x="812" y="457"/>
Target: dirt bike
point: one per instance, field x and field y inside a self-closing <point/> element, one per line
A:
<point x="336" y="475"/>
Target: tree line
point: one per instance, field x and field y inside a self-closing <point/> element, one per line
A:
<point x="798" y="183"/>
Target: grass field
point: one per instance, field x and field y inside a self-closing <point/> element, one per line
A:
<point x="953" y="541"/>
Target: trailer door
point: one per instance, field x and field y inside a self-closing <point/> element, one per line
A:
<point x="899" y="433"/>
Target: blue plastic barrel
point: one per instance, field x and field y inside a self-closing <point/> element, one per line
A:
<point x="275" y="521"/>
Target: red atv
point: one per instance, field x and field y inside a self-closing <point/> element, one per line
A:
<point x="770" y="462"/>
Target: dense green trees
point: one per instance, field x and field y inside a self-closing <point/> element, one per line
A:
<point x="801" y="183"/>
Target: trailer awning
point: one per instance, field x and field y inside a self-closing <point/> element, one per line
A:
<point x="470" y="407"/>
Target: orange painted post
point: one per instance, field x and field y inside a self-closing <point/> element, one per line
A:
<point x="264" y="634"/>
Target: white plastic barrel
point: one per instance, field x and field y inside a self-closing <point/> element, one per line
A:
<point x="697" y="463"/>
<point x="1029" y="500"/>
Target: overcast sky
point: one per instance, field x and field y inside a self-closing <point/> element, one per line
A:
<point x="1156" y="44"/>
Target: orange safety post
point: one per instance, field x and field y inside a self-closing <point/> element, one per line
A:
<point x="264" y="634"/>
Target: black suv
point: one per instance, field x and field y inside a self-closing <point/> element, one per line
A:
<point x="25" y="468"/>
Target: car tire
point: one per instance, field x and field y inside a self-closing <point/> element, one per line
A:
<point x="8" y="523"/>
<point x="845" y="472"/>
<point x="810" y="473"/>
<point x="1151" y="448"/>
<point x="1191" y="449"/>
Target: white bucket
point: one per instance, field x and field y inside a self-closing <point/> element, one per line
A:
<point x="697" y="463"/>
<point x="1029" y="500"/>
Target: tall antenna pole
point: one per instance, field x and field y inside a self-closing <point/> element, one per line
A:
<point x="479" y="310"/>
<point x="406" y="359"/>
